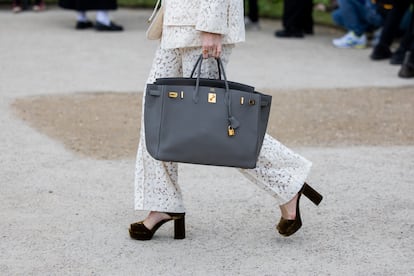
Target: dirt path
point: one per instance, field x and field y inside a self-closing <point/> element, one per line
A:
<point x="106" y="125"/>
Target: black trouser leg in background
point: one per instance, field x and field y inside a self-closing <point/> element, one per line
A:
<point x="392" y="22"/>
<point x="253" y="11"/>
<point x="292" y="15"/>
<point x="407" y="68"/>
<point x="297" y="15"/>
<point x="307" y="22"/>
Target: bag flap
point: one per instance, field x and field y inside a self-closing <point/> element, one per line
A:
<point x="204" y="82"/>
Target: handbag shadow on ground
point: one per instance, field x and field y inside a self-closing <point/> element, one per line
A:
<point x="205" y="121"/>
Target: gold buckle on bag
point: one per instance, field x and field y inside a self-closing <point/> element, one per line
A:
<point x="173" y="94"/>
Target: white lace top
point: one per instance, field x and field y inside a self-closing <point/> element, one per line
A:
<point x="184" y="19"/>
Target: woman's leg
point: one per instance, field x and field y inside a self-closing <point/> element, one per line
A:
<point x="156" y="187"/>
<point x="279" y="171"/>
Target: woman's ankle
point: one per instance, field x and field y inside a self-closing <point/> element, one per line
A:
<point x="288" y="209"/>
<point x="154" y="217"/>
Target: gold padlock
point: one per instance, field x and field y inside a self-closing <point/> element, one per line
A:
<point x="231" y="131"/>
<point x="211" y="97"/>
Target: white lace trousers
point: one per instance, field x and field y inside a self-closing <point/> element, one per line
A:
<point x="279" y="171"/>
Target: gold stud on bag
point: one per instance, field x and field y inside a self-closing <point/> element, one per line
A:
<point x="172" y="94"/>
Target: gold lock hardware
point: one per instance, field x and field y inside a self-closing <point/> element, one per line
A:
<point x="182" y="94"/>
<point x="242" y="100"/>
<point x="212" y="97"/>
<point x="252" y="102"/>
<point x="231" y="131"/>
<point x="172" y="94"/>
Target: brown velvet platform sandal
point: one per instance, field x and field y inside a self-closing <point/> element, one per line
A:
<point x="139" y="231"/>
<point x="287" y="227"/>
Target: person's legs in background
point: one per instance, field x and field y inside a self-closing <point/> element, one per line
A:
<point x="104" y="23"/>
<point x="407" y="68"/>
<point x="82" y="21"/>
<point x="252" y="19"/>
<point x="397" y="57"/>
<point x="348" y="15"/>
<point x="17" y="6"/>
<point x="292" y="20"/>
<point x="307" y="21"/>
<point x="389" y="30"/>
<point x="39" y="6"/>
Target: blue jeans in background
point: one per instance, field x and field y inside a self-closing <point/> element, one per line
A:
<point x="358" y="16"/>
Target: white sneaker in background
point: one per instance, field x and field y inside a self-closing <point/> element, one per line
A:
<point x="350" y="40"/>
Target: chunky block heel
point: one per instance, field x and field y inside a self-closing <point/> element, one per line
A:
<point x="288" y="227"/>
<point x="179" y="228"/>
<point x="313" y="195"/>
<point x="139" y="231"/>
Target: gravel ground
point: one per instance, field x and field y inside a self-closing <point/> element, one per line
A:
<point x="67" y="162"/>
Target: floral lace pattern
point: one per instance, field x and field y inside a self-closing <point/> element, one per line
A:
<point x="279" y="170"/>
<point x="184" y="19"/>
<point x="156" y="186"/>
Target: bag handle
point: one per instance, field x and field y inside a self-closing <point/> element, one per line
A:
<point x="233" y="122"/>
<point x="154" y="11"/>
<point x="199" y="61"/>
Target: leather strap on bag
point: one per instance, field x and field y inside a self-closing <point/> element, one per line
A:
<point x="233" y="122"/>
<point x="154" y="11"/>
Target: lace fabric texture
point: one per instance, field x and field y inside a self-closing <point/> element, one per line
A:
<point x="279" y="170"/>
<point x="184" y="19"/>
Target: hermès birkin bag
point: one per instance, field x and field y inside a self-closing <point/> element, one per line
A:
<point x="205" y="121"/>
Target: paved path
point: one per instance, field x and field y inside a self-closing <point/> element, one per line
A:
<point x="66" y="215"/>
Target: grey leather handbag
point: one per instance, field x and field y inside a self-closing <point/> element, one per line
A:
<point x="205" y="121"/>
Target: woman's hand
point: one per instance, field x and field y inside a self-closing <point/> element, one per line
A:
<point x="211" y="44"/>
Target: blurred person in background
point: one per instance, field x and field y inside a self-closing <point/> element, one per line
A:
<point x="251" y="21"/>
<point x="407" y="67"/>
<point x="395" y="23"/>
<point x="18" y="6"/>
<point x="103" y="21"/>
<point x="358" y="17"/>
<point x="297" y="19"/>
